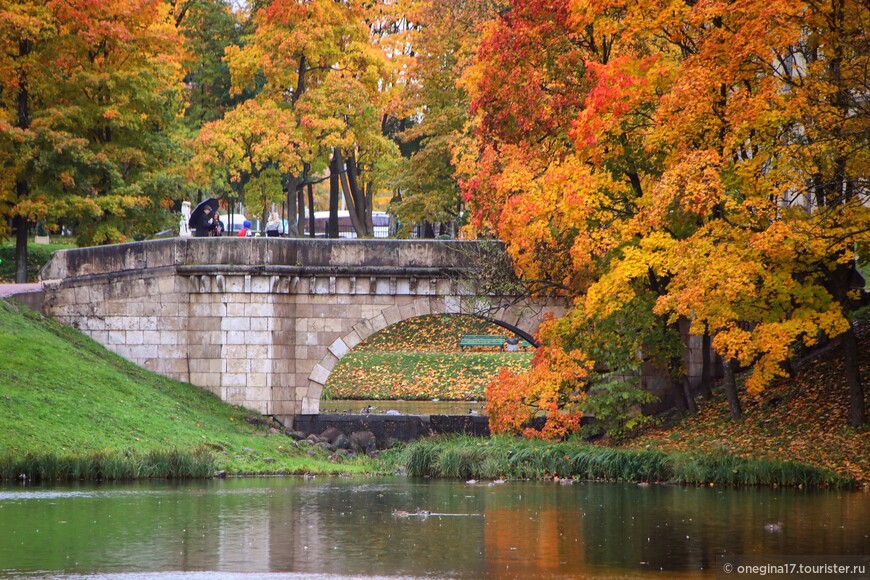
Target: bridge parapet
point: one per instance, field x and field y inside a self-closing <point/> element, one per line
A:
<point x="313" y="254"/>
<point x="260" y="322"/>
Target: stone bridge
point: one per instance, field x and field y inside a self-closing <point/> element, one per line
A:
<point x="261" y="322"/>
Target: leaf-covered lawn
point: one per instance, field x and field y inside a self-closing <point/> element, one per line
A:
<point x="803" y="420"/>
<point x="420" y="359"/>
<point x="419" y="375"/>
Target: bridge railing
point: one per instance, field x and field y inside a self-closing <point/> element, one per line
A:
<point x="428" y="256"/>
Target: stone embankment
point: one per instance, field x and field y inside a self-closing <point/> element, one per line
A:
<point x="339" y="444"/>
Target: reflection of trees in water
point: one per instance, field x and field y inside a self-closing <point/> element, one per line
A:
<point x="535" y="529"/>
<point x="532" y="531"/>
<point x="680" y="528"/>
<point x="346" y="527"/>
<point x="335" y="527"/>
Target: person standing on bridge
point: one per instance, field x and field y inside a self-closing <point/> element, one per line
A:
<point x="274" y="227"/>
<point x="204" y="218"/>
<point x="216" y="228"/>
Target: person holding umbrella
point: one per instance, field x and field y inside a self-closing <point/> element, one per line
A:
<point x="203" y="218"/>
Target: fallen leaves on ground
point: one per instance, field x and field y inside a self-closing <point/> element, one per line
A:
<point x="420" y="359"/>
<point x="803" y="419"/>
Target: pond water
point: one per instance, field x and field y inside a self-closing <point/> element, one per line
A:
<point x="330" y="527"/>
<point x="348" y="406"/>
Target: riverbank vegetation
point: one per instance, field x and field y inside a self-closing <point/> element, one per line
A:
<point x="504" y="457"/>
<point x="70" y="409"/>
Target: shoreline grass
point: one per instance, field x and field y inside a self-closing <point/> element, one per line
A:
<point x="198" y="463"/>
<point x="466" y="457"/>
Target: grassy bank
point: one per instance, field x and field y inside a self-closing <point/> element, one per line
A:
<point x="513" y="458"/>
<point x="37" y="256"/>
<point x="71" y="409"/>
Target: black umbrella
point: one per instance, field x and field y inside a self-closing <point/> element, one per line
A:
<point x="201" y="215"/>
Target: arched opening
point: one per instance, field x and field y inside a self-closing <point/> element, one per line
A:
<point x="425" y="365"/>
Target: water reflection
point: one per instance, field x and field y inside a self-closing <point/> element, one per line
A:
<point x="370" y="527"/>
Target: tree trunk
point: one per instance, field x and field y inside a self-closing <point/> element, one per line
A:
<point x="22" y="188"/>
<point x="679" y="396"/>
<point x="311" y="222"/>
<point x="369" y="197"/>
<point x="334" y="187"/>
<point x="839" y="284"/>
<point x="300" y="217"/>
<point x="853" y="378"/>
<point x="730" y="384"/>
<point x="363" y="209"/>
<point x="706" y="367"/>
<point x="19" y="223"/>
<point x="350" y="198"/>
<point x="291" y="185"/>
<point x="687" y="392"/>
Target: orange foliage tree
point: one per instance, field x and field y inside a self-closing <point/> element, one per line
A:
<point x="91" y="92"/>
<point x="318" y="77"/>
<point x="706" y="163"/>
<point x="432" y="113"/>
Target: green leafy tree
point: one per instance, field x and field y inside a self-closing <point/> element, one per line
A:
<point x="436" y="125"/>
<point x="98" y="92"/>
<point x="208" y="28"/>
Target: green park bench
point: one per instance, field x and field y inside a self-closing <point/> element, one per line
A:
<point x="481" y="340"/>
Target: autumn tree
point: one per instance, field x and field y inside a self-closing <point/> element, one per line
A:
<point x="713" y="168"/>
<point x="784" y="194"/>
<point x="208" y="27"/>
<point x="564" y="207"/>
<point x="432" y="122"/>
<point x="27" y="28"/>
<point x="96" y="91"/>
<point x="318" y="107"/>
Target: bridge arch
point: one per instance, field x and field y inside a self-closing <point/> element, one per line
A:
<point x="392" y="315"/>
<point x="261" y="322"/>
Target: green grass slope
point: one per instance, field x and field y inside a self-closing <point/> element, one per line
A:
<point x="64" y="396"/>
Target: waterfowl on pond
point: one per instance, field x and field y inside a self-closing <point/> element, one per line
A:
<point x="404" y="514"/>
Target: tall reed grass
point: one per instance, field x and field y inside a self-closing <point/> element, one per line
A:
<point x="157" y="464"/>
<point x="514" y="458"/>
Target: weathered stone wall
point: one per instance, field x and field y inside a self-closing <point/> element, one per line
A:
<point x="260" y="322"/>
<point x="144" y="320"/>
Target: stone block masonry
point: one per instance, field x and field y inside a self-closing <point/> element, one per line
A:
<point x="260" y="322"/>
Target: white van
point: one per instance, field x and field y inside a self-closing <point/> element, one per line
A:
<point x="234" y="222"/>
